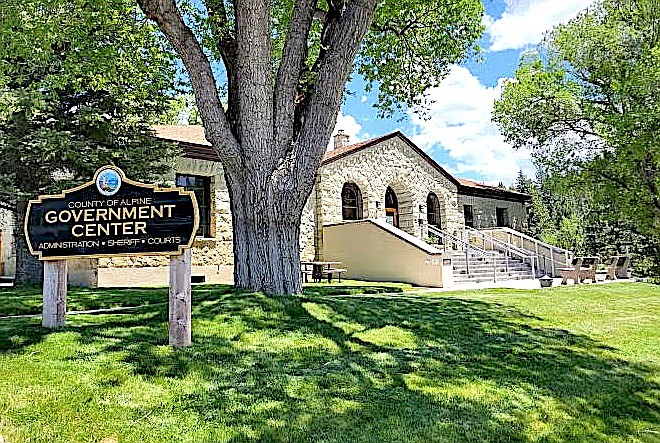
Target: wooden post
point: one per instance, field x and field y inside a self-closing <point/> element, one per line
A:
<point x="2" y="258"/>
<point x="180" y="300"/>
<point x="552" y="262"/>
<point x="54" y="291"/>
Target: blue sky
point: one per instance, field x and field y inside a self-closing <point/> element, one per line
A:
<point x="459" y="134"/>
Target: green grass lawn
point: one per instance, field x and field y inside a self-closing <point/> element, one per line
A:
<point x="579" y="364"/>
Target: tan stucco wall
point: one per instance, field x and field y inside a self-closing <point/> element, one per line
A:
<point x="369" y="252"/>
<point x="83" y="272"/>
<point x="484" y="211"/>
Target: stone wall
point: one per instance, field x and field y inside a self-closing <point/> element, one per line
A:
<point x="395" y="164"/>
<point x="392" y="163"/>
<point x="307" y="223"/>
<point x="217" y="249"/>
<point x="211" y="251"/>
<point x="485" y="211"/>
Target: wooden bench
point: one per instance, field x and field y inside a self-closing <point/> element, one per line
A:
<point x="329" y="272"/>
<point x="306" y="275"/>
<point x="619" y="267"/>
<point x="572" y="273"/>
<point x="583" y="268"/>
<point x="319" y="271"/>
<point x="588" y="268"/>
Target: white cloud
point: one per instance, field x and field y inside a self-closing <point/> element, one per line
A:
<point x="350" y="126"/>
<point x="525" y="21"/>
<point x="460" y="125"/>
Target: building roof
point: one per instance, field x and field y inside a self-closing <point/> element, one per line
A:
<point x="467" y="187"/>
<point x="191" y="138"/>
<point x="193" y="134"/>
<point x="338" y="153"/>
<point x="347" y="150"/>
<point x="194" y="144"/>
<point x="471" y="187"/>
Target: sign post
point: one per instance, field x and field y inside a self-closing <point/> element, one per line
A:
<point x="110" y="216"/>
<point x="54" y="292"/>
<point x="180" y="298"/>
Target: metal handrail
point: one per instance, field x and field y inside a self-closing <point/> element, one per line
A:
<point x="505" y="247"/>
<point x="530" y="238"/>
<point x="489" y="238"/>
<point x="454" y="239"/>
<point x="466" y="246"/>
<point x="567" y="255"/>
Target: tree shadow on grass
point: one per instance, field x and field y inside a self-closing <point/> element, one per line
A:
<point x="381" y="369"/>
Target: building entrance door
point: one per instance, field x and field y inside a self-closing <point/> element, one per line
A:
<point x="502" y="216"/>
<point x="391" y="207"/>
<point x="433" y="217"/>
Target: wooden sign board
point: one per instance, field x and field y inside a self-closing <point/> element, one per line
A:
<point x="114" y="216"/>
<point x="109" y="216"/>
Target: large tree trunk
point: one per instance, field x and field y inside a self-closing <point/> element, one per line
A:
<point x="273" y="135"/>
<point x="29" y="270"/>
<point x="266" y="230"/>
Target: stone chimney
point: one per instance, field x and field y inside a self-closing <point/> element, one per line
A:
<point x="341" y="139"/>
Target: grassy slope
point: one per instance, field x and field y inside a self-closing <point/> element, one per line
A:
<point x="561" y="365"/>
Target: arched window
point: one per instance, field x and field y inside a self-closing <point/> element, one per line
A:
<point x="351" y="202"/>
<point x="391" y="207"/>
<point x="433" y="210"/>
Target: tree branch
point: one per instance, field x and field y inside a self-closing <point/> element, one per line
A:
<point x="341" y="40"/>
<point x="168" y="17"/>
<point x="649" y="176"/>
<point x="225" y="39"/>
<point x="291" y="67"/>
<point x="254" y="77"/>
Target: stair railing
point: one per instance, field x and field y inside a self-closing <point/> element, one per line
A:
<point x="457" y="243"/>
<point x="550" y="257"/>
<point x="507" y="248"/>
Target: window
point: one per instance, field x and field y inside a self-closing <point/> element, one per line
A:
<point x="351" y="202"/>
<point x="433" y="210"/>
<point x="502" y="215"/>
<point x="201" y="186"/>
<point x="469" y="216"/>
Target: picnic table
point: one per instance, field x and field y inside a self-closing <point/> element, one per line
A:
<point x="320" y="270"/>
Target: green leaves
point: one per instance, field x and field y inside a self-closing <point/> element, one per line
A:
<point x="408" y="50"/>
<point x="412" y="44"/>
<point x="589" y="104"/>
<point x="80" y="82"/>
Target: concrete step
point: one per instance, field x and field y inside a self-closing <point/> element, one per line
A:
<point x="489" y="271"/>
<point x="492" y="260"/>
<point x="480" y="279"/>
<point x="490" y="266"/>
<point x="481" y="268"/>
<point x="488" y="274"/>
<point x="472" y="279"/>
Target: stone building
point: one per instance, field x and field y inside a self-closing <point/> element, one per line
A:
<point x="386" y="178"/>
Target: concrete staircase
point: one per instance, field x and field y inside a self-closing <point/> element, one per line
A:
<point x="481" y="268"/>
